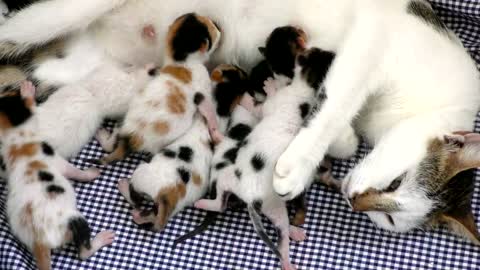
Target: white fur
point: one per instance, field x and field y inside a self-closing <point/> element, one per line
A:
<point x="398" y="79"/>
<point x="3" y="12"/>
<point x="69" y="118"/>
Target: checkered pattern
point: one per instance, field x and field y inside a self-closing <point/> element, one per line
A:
<point x="337" y="237"/>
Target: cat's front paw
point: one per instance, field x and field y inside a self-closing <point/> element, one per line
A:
<point x="292" y="174"/>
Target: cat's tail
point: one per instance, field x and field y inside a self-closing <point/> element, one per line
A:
<point x="207" y="221"/>
<point x="45" y="21"/>
<point x="260" y="229"/>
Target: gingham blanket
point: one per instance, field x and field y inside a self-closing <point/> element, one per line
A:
<point x="337" y="237"/>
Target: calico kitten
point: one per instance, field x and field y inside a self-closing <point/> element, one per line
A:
<point x="179" y="175"/>
<point x="41" y="206"/>
<point x="165" y="110"/>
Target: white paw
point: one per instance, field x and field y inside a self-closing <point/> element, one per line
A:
<point x="105" y="238"/>
<point x="270" y="86"/>
<point x="292" y="175"/>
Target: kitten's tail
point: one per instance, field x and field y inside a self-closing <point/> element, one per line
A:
<point x="258" y="225"/>
<point x="48" y="20"/>
<point x="207" y="221"/>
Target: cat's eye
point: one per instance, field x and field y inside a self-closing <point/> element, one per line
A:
<point x="394" y="185"/>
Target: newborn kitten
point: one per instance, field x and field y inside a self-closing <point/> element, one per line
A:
<point x="165" y="109"/>
<point x="41" y="205"/>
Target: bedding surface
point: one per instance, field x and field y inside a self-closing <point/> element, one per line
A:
<point x="337" y="237"/>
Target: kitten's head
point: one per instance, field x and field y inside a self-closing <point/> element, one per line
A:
<point x="230" y="83"/>
<point x="313" y="66"/>
<point x="282" y="47"/>
<point x="192" y="36"/>
<point x="436" y="191"/>
<point x="16" y="107"/>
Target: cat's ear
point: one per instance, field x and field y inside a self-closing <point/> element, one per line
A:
<point x="262" y="50"/>
<point x="461" y="221"/>
<point x="204" y="46"/>
<point x="464" y="148"/>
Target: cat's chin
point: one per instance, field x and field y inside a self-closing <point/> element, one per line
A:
<point x="391" y="223"/>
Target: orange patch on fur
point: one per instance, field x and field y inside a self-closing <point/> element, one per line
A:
<point x="136" y="142"/>
<point x="180" y="73"/>
<point x="197" y="179"/>
<point x="161" y="127"/>
<point x="299" y="218"/>
<point x="42" y="255"/>
<point x="176" y="100"/>
<point x="4" y="122"/>
<point x="25" y="150"/>
<point x="212" y="29"/>
<point x="167" y="200"/>
<point x="172" y="32"/>
<point x="35" y="166"/>
<point x="217" y="76"/>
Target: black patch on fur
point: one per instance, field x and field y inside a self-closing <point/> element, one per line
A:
<point x="80" y="232"/>
<point x="153" y="72"/>
<point x="45" y="176"/>
<point x="147" y="157"/>
<point x="55" y="189"/>
<point x="231" y="155"/>
<point x="304" y="110"/>
<point x="238" y="174"/>
<point x="258" y="162"/>
<point x="239" y="132"/>
<point x="185" y="153"/>
<point x="424" y="12"/>
<point x="212" y="145"/>
<point x="190" y="37"/>
<point x="169" y="153"/>
<point x="198" y="98"/>
<point x="135" y="196"/>
<point x="315" y="64"/>
<point x="227" y="92"/>
<point x="259" y="74"/>
<point x="14" y="109"/>
<point x="184" y="174"/>
<point x="281" y="50"/>
<point x="47" y="149"/>
<point x="322" y="169"/>
<point x="220" y="165"/>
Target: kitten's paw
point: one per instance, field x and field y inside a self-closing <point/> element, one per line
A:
<point x="104" y="238"/>
<point x="137" y="216"/>
<point x="92" y="173"/>
<point x="270" y="86"/>
<point x="123" y="186"/>
<point x="291" y="176"/>
<point x="288" y="266"/>
<point x="297" y="234"/>
<point x="103" y="136"/>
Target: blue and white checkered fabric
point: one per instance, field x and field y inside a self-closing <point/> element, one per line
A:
<point x="337" y="237"/>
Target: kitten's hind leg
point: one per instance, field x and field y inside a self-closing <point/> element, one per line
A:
<point x="71" y="172"/>
<point x="42" y="255"/>
<point x="121" y="151"/>
<point x="102" y="239"/>
<point x="219" y="204"/>
<point x="277" y="214"/>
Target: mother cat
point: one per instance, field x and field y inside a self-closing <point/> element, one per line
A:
<point x="400" y="77"/>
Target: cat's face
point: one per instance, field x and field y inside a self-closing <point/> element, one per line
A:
<point x="436" y="191"/>
<point x="15" y="109"/>
<point x="192" y="36"/>
<point x="229" y="84"/>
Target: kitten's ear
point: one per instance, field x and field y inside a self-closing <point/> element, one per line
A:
<point x="462" y="222"/>
<point x="464" y="148"/>
<point x="262" y="50"/>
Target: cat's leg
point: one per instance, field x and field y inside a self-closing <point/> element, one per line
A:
<point x="248" y="102"/>
<point x="207" y="110"/>
<point x="347" y="90"/>
<point x="34" y="25"/>
<point x="345" y="144"/>
<point x="223" y="187"/>
<point x="398" y="150"/>
<point x="71" y="172"/>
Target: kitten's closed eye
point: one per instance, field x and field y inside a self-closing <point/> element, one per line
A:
<point x="394" y="185"/>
